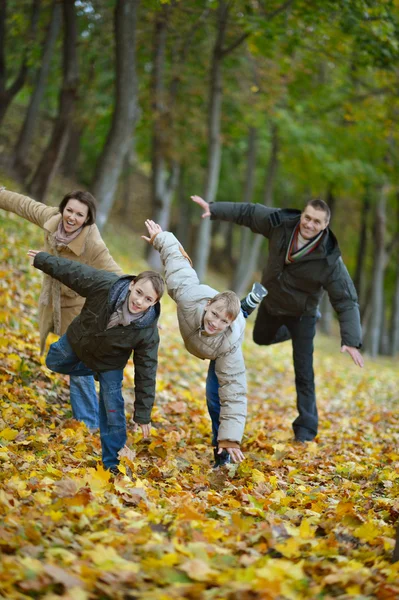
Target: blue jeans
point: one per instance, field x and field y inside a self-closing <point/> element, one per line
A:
<point x="84" y="401"/>
<point x="62" y="359"/>
<point x="213" y="401"/>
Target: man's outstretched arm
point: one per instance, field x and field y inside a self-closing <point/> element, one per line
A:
<point x="254" y="216"/>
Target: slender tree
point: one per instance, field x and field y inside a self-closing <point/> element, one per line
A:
<point x="54" y="151"/>
<point x="28" y="128"/>
<point x="110" y="164"/>
<point x="7" y="94"/>
<point x="374" y="325"/>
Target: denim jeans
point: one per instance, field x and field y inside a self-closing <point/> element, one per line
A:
<point x="62" y="359"/>
<point x="84" y="401"/>
<point x="271" y="329"/>
<point x="213" y="401"/>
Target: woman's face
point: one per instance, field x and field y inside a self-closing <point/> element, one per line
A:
<point x="75" y="215"/>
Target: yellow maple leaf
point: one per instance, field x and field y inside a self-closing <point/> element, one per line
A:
<point x="197" y="569"/>
<point x="9" y="434"/>
<point x="257" y="476"/>
<point x="367" y="532"/>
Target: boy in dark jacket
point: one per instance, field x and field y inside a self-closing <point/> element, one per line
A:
<point x="120" y="315"/>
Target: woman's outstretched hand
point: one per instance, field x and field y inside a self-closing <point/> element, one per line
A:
<point x="153" y="230"/>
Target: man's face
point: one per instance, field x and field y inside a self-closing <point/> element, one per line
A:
<point x="312" y="222"/>
<point x="216" y="319"/>
<point x="142" y="296"/>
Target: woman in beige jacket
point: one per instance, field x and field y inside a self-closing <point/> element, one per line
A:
<point x="70" y="232"/>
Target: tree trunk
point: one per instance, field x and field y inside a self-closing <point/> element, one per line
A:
<point x="8" y="94"/>
<point x="395" y="555"/>
<point x="394" y="339"/>
<point x="246" y="234"/>
<point x="163" y="184"/>
<point x="394" y="345"/>
<point x="214" y="142"/>
<point x="373" y="330"/>
<point x="69" y="166"/>
<point x="326" y="309"/>
<point x="53" y="153"/>
<point x="359" y="278"/>
<point x="271" y="172"/>
<point x="184" y="211"/>
<point x="110" y="163"/>
<point x="31" y="117"/>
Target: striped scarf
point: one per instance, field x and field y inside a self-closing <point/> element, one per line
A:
<point x="293" y="253"/>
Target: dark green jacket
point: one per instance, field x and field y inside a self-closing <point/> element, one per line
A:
<point x="103" y="349"/>
<point x="296" y="289"/>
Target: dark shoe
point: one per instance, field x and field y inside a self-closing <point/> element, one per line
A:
<point x="114" y="471"/>
<point x="255" y="297"/>
<point x="301" y="440"/>
<point x="221" y="459"/>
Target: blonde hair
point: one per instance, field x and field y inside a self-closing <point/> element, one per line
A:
<point x="231" y="302"/>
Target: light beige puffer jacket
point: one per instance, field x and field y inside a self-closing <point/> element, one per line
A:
<point x="191" y="298"/>
<point x="58" y="304"/>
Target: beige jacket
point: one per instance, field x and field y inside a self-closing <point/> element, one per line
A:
<point x="191" y="298"/>
<point x="58" y="304"/>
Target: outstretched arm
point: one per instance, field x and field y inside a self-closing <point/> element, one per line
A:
<point x="179" y="274"/>
<point x="77" y="276"/>
<point x="25" y="207"/>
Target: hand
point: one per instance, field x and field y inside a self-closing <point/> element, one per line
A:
<point x="153" y="230"/>
<point x="235" y="454"/>
<point x="145" y="429"/>
<point x="203" y="204"/>
<point x="32" y="254"/>
<point x="355" y="354"/>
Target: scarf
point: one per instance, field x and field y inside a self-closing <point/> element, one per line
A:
<point x="122" y="315"/>
<point x="64" y="238"/>
<point x="294" y="253"/>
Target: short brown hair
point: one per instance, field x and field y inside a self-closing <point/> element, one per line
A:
<point x="231" y="303"/>
<point x="85" y="198"/>
<point x="319" y="204"/>
<point x="156" y="280"/>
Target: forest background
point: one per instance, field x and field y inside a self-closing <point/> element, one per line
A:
<point x="272" y="102"/>
<point x="145" y="103"/>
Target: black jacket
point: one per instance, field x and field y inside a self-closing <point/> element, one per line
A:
<point x="296" y="289"/>
<point x="103" y="349"/>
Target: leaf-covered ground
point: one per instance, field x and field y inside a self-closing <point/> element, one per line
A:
<point x="292" y="522"/>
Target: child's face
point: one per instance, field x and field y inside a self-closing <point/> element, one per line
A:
<point x="216" y="319"/>
<point x="142" y="296"/>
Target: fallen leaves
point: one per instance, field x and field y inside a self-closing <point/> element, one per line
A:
<point x="291" y="522"/>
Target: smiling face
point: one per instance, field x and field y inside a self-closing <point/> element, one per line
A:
<point x="142" y="296"/>
<point x="216" y="318"/>
<point x="74" y="215"/>
<point x="312" y="222"/>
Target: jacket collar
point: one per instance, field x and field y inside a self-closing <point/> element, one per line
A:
<point x="328" y="247"/>
<point x="78" y="244"/>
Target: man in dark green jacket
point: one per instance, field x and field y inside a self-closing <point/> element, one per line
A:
<point x="304" y="260"/>
<point x="120" y="315"/>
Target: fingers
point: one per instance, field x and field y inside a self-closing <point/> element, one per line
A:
<point x="235" y="454"/>
<point x="146" y="430"/>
